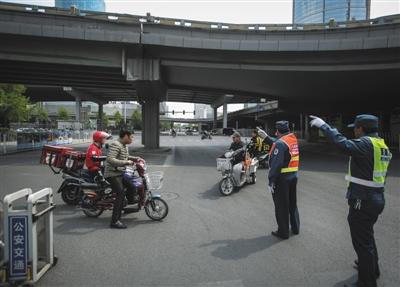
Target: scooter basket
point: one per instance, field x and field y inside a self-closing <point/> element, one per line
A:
<point x="54" y="155"/>
<point x="155" y="180"/>
<point x="223" y="164"/>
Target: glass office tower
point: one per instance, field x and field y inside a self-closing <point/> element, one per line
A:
<point x="321" y="11"/>
<point x="91" y="5"/>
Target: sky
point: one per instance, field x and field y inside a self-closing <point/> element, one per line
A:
<point x="221" y="11"/>
<point x="228" y="11"/>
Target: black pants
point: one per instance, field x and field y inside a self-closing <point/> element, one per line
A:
<point x="130" y="190"/>
<point x="285" y="200"/>
<point x="118" y="187"/>
<point x="361" y="223"/>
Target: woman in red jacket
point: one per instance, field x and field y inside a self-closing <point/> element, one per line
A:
<point x="99" y="139"/>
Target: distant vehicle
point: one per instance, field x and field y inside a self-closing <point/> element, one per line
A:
<point x="189" y="132"/>
<point x="214" y="132"/>
<point x="206" y="135"/>
<point x="234" y="178"/>
<point x="228" y="131"/>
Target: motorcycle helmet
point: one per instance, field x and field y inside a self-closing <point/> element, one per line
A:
<point x="98" y="136"/>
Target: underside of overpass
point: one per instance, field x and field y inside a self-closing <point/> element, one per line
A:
<point x="90" y="58"/>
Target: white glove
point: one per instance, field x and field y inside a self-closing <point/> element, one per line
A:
<point x="271" y="189"/>
<point x="317" y="122"/>
<point x="262" y="133"/>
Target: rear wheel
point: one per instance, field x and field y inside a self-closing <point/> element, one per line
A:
<point x="156" y="209"/>
<point x="70" y="195"/>
<point x="226" y="186"/>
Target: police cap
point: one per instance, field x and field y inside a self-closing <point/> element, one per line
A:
<point x="282" y="126"/>
<point x="365" y="121"/>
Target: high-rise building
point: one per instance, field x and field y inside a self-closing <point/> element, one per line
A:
<point x="321" y="11"/>
<point x="203" y="111"/>
<point x="90" y="5"/>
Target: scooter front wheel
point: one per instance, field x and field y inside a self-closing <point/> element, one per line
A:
<point x="156" y="209"/>
<point x="226" y="186"/>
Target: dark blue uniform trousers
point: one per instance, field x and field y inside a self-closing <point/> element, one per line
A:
<point x="285" y="201"/>
<point x="361" y="221"/>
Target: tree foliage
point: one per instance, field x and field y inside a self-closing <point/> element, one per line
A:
<point x="36" y="112"/>
<point x="105" y="120"/>
<point x="13" y="104"/>
<point x="118" y="119"/>
<point x="137" y="120"/>
<point x="62" y="114"/>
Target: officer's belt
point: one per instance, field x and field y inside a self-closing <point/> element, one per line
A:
<point x="364" y="182"/>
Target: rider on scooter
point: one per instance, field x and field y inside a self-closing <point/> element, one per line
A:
<point x="257" y="145"/>
<point x="94" y="150"/>
<point x="235" y="145"/>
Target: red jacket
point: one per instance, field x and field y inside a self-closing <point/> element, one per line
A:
<point x="93" y="150"/>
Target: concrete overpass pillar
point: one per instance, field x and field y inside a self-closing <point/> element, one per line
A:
<point x="78" y="108"/>
<point x="150" y="95"/>
<point x="215" y="119"/>
<point x="225" y="115"/>
<point x="100" y="118"/>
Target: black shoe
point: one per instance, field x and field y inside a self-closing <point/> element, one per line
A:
<point x="118" y="225"/>
<point x="295" y="232"/>
<point x="277" y="234"/>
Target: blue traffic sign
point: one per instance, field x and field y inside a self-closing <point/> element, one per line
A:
<point x="18" y="246"/>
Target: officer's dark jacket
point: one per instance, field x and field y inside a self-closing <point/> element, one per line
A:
<point x="362" y="152"/>
<point x="278" y="159"/>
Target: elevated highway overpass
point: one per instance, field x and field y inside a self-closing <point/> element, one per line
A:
<point x="103" y="56"/>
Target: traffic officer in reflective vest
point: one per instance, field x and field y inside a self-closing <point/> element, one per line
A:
<point x="368" y="164"/>
<point x="284" y="164"/>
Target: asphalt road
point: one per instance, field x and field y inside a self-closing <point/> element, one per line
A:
<point x="210" y="240"/>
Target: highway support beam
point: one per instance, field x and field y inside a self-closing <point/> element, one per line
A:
<point x="78" y="109"/>
<point x="215" y="118"/>
<point x="150" y="95"/>
<point x="225" y="115"/>
<point x="100" y="117"/>
<point x="144" y="74"/>
<point x="223" y="100"/>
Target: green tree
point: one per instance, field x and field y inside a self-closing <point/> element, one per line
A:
<point x="137" y="120"/>
<point x="36" y="112"/>
<point x="63" y="114"/>
<point x="13" y="104"/>
<point x="105" y="120"/>
<point x="118" y="119"/>
<point x="165" y="125"/>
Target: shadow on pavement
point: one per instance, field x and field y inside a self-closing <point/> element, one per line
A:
<point x="232" y="249"/>
<point x="349" y="281"/>
<point x="80" y="224"/>
<point x="212" y="193"/>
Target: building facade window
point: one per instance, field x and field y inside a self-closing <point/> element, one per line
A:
<point x="90" y="5"/>
<point x="321" y="11"/>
